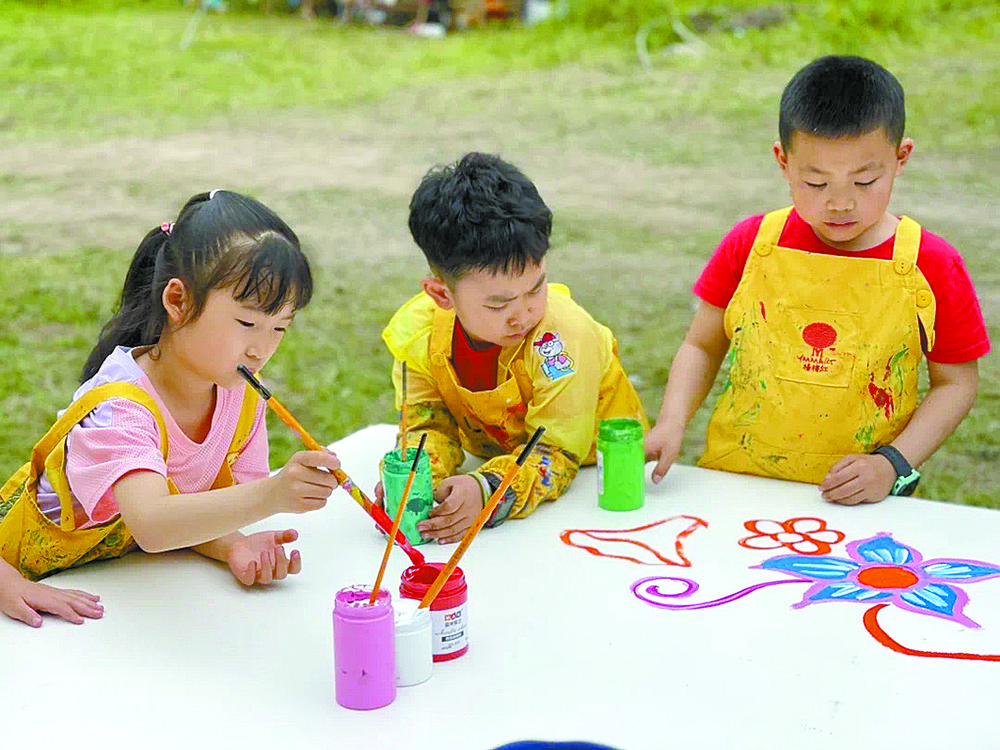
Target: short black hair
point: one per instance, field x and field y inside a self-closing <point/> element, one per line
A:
<point x="479" y="214"/>
<point x="842" y="96"/>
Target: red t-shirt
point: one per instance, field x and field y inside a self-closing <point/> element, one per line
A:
<point x="959" y="331"/>
<point x="476" y="368"/>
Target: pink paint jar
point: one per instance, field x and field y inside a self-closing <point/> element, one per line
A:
<point x="449" y="612"/>
<point x="364" y="653"/>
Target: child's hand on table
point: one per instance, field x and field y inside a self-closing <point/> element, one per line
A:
<point x="21" y="599"/>
<point x="858" y="479"/>
<point x="459" y="500"/>
<point x="663" y="445"/>
<point x="260" y="558"/>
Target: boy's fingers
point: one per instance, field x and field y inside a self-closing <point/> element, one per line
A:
<point x="661" y="468"/>
<point x="294" y="562"/>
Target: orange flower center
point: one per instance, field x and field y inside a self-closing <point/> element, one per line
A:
<point x="887" y="577"/>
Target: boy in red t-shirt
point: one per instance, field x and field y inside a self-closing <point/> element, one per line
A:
<point x="824" y="310"/>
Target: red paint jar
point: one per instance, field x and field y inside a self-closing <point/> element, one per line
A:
<point x="449" y="612"/>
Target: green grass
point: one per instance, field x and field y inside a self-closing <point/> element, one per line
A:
<point x="645" y="170"/>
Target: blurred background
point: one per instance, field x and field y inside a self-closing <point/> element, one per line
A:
<point x="647" y="127"/>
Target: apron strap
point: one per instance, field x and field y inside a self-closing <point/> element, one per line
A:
<point x="771" y="226"/>
<point x="244" y="426"/>
<point x="49" y="454"/>
<point x="906" y="246"/>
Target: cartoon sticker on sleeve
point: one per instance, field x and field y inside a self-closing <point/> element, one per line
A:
<point x="556" y="362"/>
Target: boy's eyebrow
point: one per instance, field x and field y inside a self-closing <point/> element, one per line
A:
<point x="863" y="168"/>
<point x="502" y="298"/>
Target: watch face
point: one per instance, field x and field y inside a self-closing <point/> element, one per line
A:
<point x="906" y="485"/>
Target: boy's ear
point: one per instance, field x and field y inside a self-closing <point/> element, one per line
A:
<point x="176" y="301"/>
<point x="903" y="154"/>
<point x="438" y="291"/>
<point x="781" y="156"/>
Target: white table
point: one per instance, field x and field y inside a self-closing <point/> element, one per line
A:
<point x="560" y="648"/>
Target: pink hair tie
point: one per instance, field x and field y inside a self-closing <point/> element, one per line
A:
<point x="167" y="227"/>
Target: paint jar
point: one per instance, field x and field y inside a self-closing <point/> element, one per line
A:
<point x="414" y="645"/>
<point x="364" y="653"/>
<point x="449" y="612"/>
<point x="395" y="472"/>
<point x="620" y="463"/>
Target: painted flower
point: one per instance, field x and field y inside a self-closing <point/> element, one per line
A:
<point x="881" y="569"/>
<point x="807" y="536"/>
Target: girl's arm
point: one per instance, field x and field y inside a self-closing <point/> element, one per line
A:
<point x="868" y="479"/>
<point x="692" y="374"/>
<point x="160" y="521"/>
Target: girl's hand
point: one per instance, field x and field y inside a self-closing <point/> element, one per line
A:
<point x="260" y="558"/>
<point x="460" y="499"/>
<point x="663" y="445"/>
<point x="304" y="483"/>
<point x="21" y="599"/>
<point x="858" y="479"/>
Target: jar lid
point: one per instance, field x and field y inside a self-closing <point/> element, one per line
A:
<point x="620" y="429"/>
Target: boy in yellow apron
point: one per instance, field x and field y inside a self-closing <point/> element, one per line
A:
<point x="494" y="351"/>
<point x="835" y="302"/>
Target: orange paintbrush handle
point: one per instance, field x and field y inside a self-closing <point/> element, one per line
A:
<point x="481" y="519"/>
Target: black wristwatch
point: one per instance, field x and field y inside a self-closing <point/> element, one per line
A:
<point x="907" y="477"/>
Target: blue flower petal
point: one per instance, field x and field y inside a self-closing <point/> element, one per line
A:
<point x="814" y="568"/>
<point x="885" y="549"/>
<point x="847" y="591"/>
<point x="959" y="570"/>
<point x="934" y="597"/>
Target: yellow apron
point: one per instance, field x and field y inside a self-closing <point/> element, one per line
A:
<point x="492" y="423"/>
<point x="36" y="546"/>
<point x="823" y="356"/>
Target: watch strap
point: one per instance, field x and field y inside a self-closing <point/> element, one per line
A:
<point x="907" y="477"/>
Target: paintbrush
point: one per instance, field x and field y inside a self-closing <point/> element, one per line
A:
<point x="397" y="519"/>
<point x="483" y="516"/>
<point x="345" y="481"/>
<point x="402" y="426"/>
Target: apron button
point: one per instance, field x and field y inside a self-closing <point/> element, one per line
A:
<point x="902" y="266"/>
<point x="924" y="298"/>
<point x="763" y="248"/>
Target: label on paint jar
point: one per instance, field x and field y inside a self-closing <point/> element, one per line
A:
<point x="600" y="473"/>
<point x="450" y="629"/>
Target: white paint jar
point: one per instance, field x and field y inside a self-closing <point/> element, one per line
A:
<point x="414" y="645"/>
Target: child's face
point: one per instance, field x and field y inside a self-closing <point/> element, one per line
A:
<point x="226" y="334"/>
<point x="841" y="186"/>
<point x="495" y="308"/>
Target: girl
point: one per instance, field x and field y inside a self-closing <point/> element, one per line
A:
<point x="165" y="446"/>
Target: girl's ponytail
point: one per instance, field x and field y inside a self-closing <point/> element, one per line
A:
<point x="139" y="316"/>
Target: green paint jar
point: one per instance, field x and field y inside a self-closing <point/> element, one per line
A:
<point x="394" y="474"/>
<point x="620" y="463"/>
